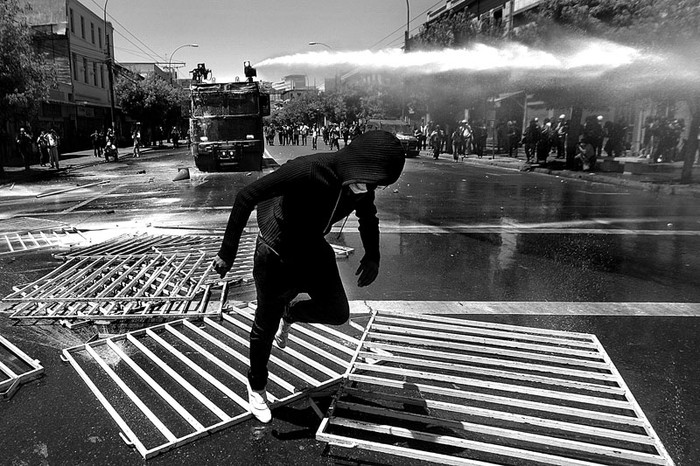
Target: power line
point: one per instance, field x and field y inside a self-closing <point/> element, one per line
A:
<point x="133" y="52"/>
<point x="153" y="55"/>
<point x="401" y="28"/>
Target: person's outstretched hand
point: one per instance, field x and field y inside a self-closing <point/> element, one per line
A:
<point x="221" y="266"/>
<point x="368" y="271"/>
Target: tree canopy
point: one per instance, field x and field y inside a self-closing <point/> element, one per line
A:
<point x="152" y="101"/>
<point x="25" y="79"/>
<point x="349" y="103"/>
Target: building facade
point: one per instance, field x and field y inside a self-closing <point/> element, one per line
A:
<point x="148" y="69"/>
<point x="523" y="106"/>
<point x="79" y="43"/>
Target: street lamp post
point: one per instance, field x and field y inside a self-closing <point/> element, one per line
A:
<point x="329" y="48"/>
<point x="321" y="43"/>
<point x="170" y="61"/>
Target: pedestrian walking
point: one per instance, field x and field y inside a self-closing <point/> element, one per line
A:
<point x="175" y="137"/>
<point x="513" y="134"/>
<point x="480" y="136"/>
<point x="530" y="139"/>
<point x="435" y="142"/>
<point x="111" y="146"/>
<point x="24" y="147"/>
<point x="43" y="145"/>
<point x="544" y="144"/>
<point x="95" y="140"/>
<point x="334" y="134"/>
<point x="296" y="206"/>
<point x="314" y="137"/>
<point x="136" y="137"/>
<point x="346" y="134"/>
<point x="561" y="130"/>
<point x="467" y="138"/>
<point x="456" y="143"/>
<point x="326" y="132"/>
<point x="53" y="142"/>
<point x="304" y="130"/>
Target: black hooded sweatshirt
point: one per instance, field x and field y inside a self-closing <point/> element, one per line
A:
<point x="299" y="202"/>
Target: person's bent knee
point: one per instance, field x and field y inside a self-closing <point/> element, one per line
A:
<point x="340" y="316"/>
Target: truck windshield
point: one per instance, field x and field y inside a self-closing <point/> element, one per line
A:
<point x="220" y="104"/>
<point x="222" y="129"/>
<point x="396" y="128"/>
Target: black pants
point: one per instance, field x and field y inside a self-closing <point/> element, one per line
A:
<point x="310" y="269"/>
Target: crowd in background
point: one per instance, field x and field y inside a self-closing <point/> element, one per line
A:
<point x="539" y="140"/>
<point x="298" y="134"/>
<point x="662" y="139"/>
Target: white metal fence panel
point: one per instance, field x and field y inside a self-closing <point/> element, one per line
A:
<point x="456" y="391"/>
<point x="16" y="368"/>
<point x="169" y="384"/>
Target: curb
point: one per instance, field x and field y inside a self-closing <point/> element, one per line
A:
<point x="594" y="177"/>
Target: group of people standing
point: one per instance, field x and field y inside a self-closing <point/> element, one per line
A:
<point x="104" y="144"/>
<point x="661" y="141"/>
<point x="466" y="138"/>
<point x="539" y="141"/>
<point x="47" y="144"/>
<point x="298" y="134"/>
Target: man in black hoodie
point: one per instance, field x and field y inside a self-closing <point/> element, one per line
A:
<point x="297" y="206"/>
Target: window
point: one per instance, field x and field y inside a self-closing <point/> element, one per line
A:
<point x="92" y="32"/>
<point x="75" y="66"/>
<point x="85" y="71"/>
<point x="102" y="76"/>
<point x="94" y="74"/>
<point x="72" y="24"/>
<point x="99" y="37"/>
<point x="498" y="16"/>
<point x="82" y="27"/>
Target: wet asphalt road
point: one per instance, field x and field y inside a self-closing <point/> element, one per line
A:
<point x="450" y="232"/>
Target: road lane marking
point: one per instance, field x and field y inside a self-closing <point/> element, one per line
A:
<point x="87" y="201"/>
<point x="481" y="229"/>
<point x="604" y="194"/>
<point x="607" y="309"/>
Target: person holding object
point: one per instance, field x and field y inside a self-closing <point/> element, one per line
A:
<point x="297" y="206"/>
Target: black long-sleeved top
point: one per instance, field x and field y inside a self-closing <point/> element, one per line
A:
<point x="300" y="201"/>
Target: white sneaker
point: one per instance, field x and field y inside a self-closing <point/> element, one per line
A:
<point x="257" y="404"/>
<point x="283" y="333"/>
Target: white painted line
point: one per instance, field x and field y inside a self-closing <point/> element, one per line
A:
<point x="87" y="201"/>
<point x="611" y="309"/>
<point x="604" y="194"/>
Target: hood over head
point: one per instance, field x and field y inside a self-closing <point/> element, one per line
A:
<point x="373" y="157"/>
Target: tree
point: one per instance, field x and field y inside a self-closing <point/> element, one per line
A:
<point x="349" y="103"/>
<point x="307" y="108"/>
<point x="25" y="79"/>
<point x="152" y="101"/>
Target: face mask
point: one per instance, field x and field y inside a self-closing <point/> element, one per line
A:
<point x="358" y="188"/>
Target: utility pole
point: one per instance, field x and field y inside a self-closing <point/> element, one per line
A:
<point x="110" y="69"/>
<point x="408" y="21"/>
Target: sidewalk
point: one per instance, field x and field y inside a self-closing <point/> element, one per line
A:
<point x="665" y="182"/>
<point x="68" y="161"/>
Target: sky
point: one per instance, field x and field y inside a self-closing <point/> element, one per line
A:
<point x="229" y="32"/>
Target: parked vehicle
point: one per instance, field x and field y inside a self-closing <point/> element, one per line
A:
<point x="403" y="132"/>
